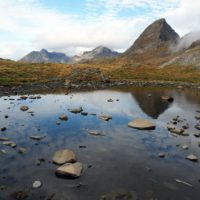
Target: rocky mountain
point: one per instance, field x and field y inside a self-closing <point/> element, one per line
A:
<point x="156" y="39"/>
<point x="97" y="53"/>
<point x="44" y="56"/>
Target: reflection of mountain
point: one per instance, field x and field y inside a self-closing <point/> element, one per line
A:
<point x="153" y="106"/>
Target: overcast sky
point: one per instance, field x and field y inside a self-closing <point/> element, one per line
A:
<point x="73" y="26"/>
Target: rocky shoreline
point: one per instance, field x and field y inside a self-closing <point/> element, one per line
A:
<point x="90" y="85"/>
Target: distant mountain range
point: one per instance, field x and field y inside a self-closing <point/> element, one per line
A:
<point x="158" y="45"/>
<point x="44" y="56"/>
<point x="97" y="53"/>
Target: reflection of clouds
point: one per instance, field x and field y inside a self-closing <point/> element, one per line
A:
<point x="138" y="149"/>
<point x="95" y="102"/>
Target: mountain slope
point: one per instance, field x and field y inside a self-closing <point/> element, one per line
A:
<point x="156" y="39"/>
<point x="97" y="53"/>
<point x="44" y="56"/>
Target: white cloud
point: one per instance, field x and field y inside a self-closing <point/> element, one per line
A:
<point x="26" y="25"/>
<point x="186" y="17"/>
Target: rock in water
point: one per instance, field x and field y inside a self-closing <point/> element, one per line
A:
<point x="24" y="108"/>
<point x="76" y="110"/>
<point x="96" y="133"/>
<point x="63" y="117"/>
<point x="4" y="139"/>
<point x="185" y="147"/>
<point x="167" y="98"/>
<point x="70" y="170"/>
<point x="64" y="156"/>
<point x="192" y="158"/>
<point x="37" y="184"/>
<point x="37" y="137"/>
<point x="22" y="150"/>
<point x="105" y="117"/>
<point x="178" y="131"/>
<point x="10" y="143"/>
<point x="142" y="124"/>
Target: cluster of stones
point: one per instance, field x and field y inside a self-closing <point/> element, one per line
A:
<point x="69" y="167"/>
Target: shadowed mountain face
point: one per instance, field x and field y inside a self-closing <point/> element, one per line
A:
<point x="99" y="52"/>
<point x="44" y="56"/>
<point x="156" y="38"/>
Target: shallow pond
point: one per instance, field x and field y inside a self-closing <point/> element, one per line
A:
<point x="124" y="161"/>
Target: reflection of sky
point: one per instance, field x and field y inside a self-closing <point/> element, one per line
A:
<point x="120" y="148"/>
<point x="90" y="101"/>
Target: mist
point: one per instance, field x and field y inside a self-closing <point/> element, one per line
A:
<point x="186" y="41"/>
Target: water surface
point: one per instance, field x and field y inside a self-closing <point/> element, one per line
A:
<point x="124" y="159"/>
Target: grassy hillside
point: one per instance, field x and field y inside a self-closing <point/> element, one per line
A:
<point x="14" y="73"/>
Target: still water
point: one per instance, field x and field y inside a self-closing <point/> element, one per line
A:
<point x="125" y="159"/>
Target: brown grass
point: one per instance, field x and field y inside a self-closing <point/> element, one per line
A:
<point x="14" y="73"/>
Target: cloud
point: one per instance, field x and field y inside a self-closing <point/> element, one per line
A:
<point x="27" y="25"/>
<point x="185" y="17"/>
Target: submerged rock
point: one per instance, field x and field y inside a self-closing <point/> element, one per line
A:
<point x="142" y="124"/>
<point x="24" y="108"/>
<point x="64" y="156"/>
<point x="73" y="170"/>
<point x="120" y="195"/>
<point x="19" y="195"/>
<point x="22" y="150"/>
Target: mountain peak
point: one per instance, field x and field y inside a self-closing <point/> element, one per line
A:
<point x="97" y="53"/>
<point x="159" y="35"/>
<point x="44" y="51"/>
